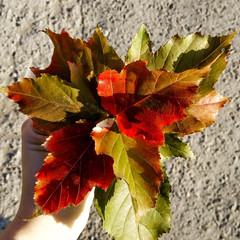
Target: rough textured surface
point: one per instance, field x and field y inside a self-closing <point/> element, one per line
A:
<point x="206" y="197"/>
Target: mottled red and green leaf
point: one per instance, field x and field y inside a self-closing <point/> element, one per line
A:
<point x="144" y="101"/>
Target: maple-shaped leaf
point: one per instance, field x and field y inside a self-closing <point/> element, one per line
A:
<point x="144" y="101"/>
<point x="180" y="54"/>
<point x="66" y="49"/>
<point x="135" y="162"/>
<point x="200" y="115"/>
<point x="174" y="147"/>
<point x="117" y="209"/>
<point x="93" y="56"/>
<point x="71" y="170"/>
<point x="104" y="56"/>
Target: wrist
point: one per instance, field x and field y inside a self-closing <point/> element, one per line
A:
<point x="67" y="224"/>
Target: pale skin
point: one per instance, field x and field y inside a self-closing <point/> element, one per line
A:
<point x="66" y="224"/>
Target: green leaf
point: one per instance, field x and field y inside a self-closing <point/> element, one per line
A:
<point x="141" y="47"/>
<point x="207" y="84"/>
<point x="82" y="67"/>
<point x="104" y="56"/>
<point x="194" y="51"/>
<point x="81" y="82"/>
<point x="47" y="97"/>
<point x="158" y="220"/>
<point x="135" y="162"/>
<point x="180" y="54"/>
<point x="52" y="99"/>
<point x="174" y="147"/>
<point x="116" y="206"/>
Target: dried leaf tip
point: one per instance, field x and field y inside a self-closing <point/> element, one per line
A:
<point x="4" y="90"/>
<point x="38" y="212"/>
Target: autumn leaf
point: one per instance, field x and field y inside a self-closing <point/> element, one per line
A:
<point x="117" y="209"/>
<point x="111" y="122"/>
<point x="47" y="127"/>
<point x="144" y="101"/>
<point x="51" y="99"/>
<point x="92" y="56"/>
<point x="200" y="115"/>
<point x="174" y="147"/>
<point x="47" y="97"/>
<point x="66" y="49"/>
<point x="207" y="108"/>
<point x="4" y="90"/>
<point x="86" y="85"/>
<point x="135" y="162"/>
<point x="180" y="54"/>
<point x="87" y="95"/>
<point x="71" y="170"/>
<point x="104" y="56"/>
<point x="195" y="51"/>
<point x="141" y="47"/>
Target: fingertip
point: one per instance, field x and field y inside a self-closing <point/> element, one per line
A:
<point x="26" y="125"/>
<point x="31" y="135"/>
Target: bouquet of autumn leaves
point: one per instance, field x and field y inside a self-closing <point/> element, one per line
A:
<point x="112" y="123"/>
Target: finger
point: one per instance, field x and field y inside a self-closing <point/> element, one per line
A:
<point x="30" y="135"/>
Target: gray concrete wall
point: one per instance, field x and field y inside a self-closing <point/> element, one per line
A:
<point x="206" y="197"/>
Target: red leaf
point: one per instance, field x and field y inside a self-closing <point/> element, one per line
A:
<point x="48" y="127"/>
<point x="71" y="170"/>
<point x="65" y="49"/>
<point x="145" y="101"/>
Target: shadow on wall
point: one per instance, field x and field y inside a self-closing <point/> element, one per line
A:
<point x="3" y="223"/>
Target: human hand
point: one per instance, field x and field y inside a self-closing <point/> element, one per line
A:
<point x="66" y="224"/>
